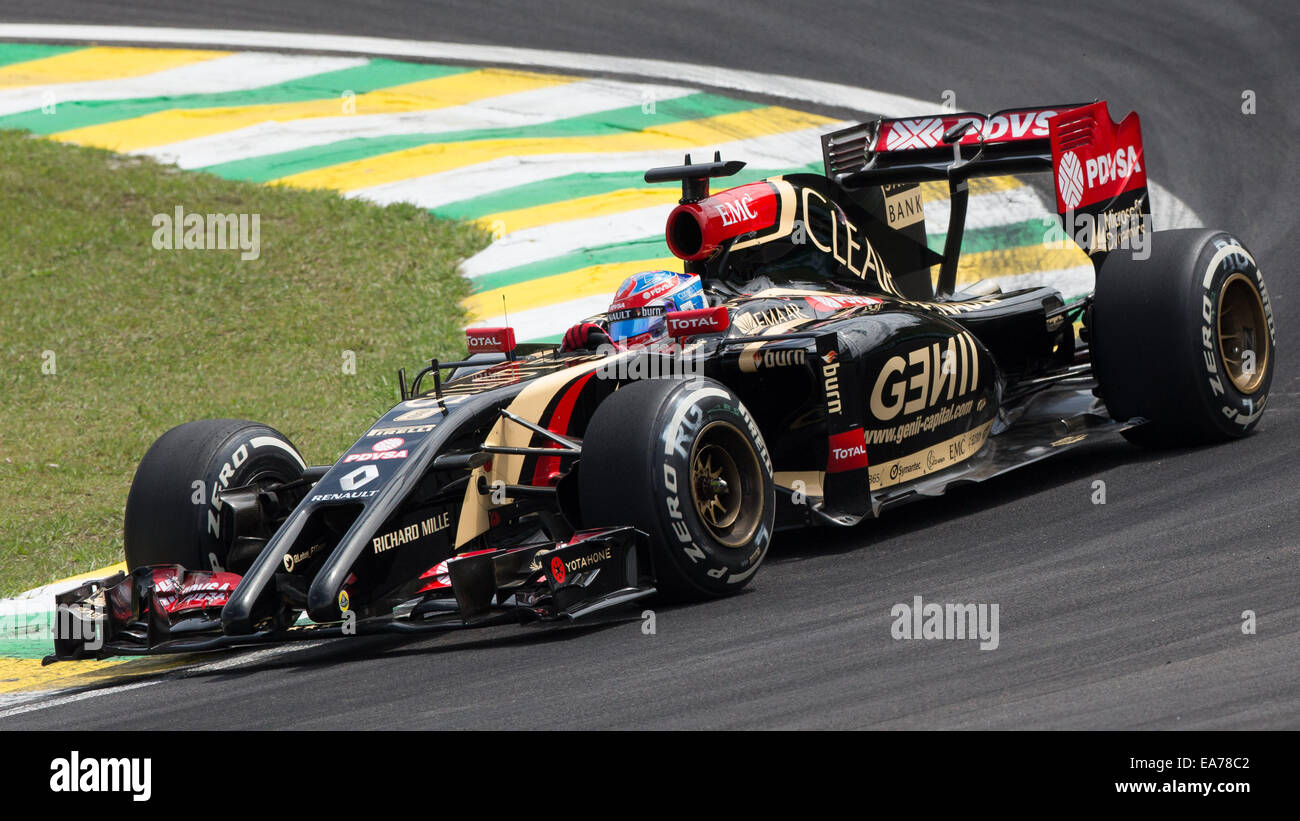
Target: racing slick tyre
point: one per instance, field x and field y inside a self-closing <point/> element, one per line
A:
<point x="1184" y="338"/>
<point x="173" y="511"/>
<point x="683" y="461"/>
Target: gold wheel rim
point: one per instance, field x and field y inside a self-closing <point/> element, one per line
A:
<point x="724" y="472"/>
<point x="1243" y="333"/>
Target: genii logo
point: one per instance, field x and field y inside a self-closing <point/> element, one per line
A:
<point x="557" y="570"/>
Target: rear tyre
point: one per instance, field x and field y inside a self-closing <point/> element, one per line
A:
<point x="173" y="513"/>
<point x="1184" y="339"/>
<point x="684" y="462"/>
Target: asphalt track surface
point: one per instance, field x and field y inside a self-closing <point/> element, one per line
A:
<point x="1123" y="615"/>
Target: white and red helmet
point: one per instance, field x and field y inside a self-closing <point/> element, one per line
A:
<point x="637" y="314"/>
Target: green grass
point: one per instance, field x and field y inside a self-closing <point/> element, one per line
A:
<point x="146" y="339"/>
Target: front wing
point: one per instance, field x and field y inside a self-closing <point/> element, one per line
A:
<point x="168" y="609"/>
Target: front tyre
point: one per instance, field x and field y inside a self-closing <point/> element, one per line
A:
<point x="173" y="512"/>
<point x="683" y="461"/>
<point x="1185" y="339"/>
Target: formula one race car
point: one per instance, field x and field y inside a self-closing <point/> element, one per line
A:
<point x="825" y="377"/>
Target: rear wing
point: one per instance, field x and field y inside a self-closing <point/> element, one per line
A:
<point x="1098" y="165"/>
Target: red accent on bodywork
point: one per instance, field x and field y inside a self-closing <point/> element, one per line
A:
<point x="848" y="451"/>
<point x="838" y="302"/>
<point x="696" y="229"/>
<point x="558" y="423"/>
<point x="177" y="592"/>
<point x="1095" y="159"/>
<point x="698" y="321"/>
<point x="912" y="133"/>
<point x="490" y="340"/>
<point x="440" y="575"/>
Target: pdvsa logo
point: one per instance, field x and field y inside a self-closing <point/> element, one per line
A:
<point x="1110" y="168"/>
<point x="1069" y="179"/>
<point x="1074" y="177"/>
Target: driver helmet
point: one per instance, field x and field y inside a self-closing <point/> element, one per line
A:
<point x="637" y="314"/>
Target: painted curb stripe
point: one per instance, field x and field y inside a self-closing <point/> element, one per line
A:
<point x="1170" y="212"/>
<point x="267" y="144"/>
<point x="44" y="105"/>
<point x="544" y="241"/>
<point x="441" y="157"/>
<point x="301" y="78"/>
<point x="645" y="249"/>
<point x="99" y="63"/>
<point x="26" y="52"/>
<point x="433" y="191"/>
<point x="187" y="124"/>
<point x="572" y="187"/>
<point x="600" y="123"/>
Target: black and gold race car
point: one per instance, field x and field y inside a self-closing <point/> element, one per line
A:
<point x="836" y="371"/>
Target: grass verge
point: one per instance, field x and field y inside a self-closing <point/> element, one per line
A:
<point x="106" y="342"/>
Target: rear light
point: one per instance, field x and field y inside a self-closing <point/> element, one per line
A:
<point x="698" y="321"/>
<point x="490" y="340"/>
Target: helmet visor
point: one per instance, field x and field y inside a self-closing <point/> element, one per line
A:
<point x="629" y="323"/>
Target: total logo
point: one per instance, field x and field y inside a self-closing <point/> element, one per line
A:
<point x="848" y="451"/>
<point x="383" y="449"/>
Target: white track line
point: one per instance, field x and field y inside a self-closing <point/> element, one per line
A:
<point x="39" y="702"/>
<point x="30" y="702"/>
<point x="237" y="72"/>
<point x="519" y="110"/>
